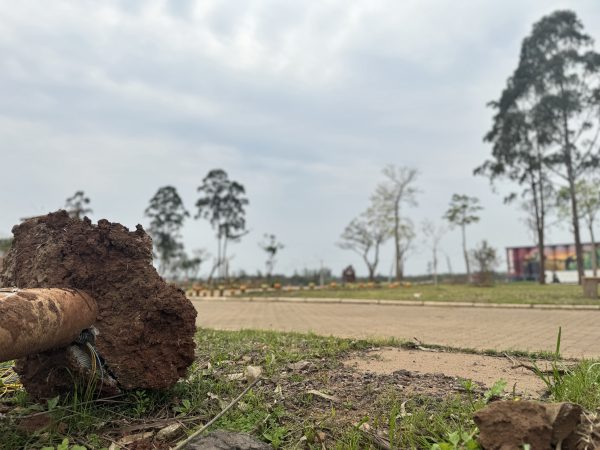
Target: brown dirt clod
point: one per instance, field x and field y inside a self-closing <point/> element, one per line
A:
<point x="146" y="326"/>
<point x="508" y="424"/>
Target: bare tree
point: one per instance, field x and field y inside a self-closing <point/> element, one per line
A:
<point x="365" y="235"/>
<point x="270" y="245"/>
<point x="433" y="236"/>
<point x="397" y="190"/>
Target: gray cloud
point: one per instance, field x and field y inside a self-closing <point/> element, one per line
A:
<point x="303" y="102"/>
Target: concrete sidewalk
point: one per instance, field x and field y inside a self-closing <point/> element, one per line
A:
<point x="518" y="328"/>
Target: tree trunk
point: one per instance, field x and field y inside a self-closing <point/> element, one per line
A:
<point x="465" y="253"/>
<point x="572" y="192"/>
<point x="594" y="255"/>
<point x="574" y="212"/>
<point x="435" y="264"/>
<point x="541" y="222"/>
<point x="397" y="241"/>
<point x="224" y="264"/>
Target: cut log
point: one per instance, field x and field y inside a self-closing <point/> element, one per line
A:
<point x="37" y="320"/>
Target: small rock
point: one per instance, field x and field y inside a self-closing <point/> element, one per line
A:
<point x="227" y="440"/>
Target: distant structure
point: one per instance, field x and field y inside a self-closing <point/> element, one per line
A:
<point x="348" y="275"/>
<point x="561" y="263"/>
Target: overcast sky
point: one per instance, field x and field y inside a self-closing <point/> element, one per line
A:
<point x="303" y="102"/>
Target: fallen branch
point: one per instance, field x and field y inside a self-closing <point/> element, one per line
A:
<point x="187" y="440"/>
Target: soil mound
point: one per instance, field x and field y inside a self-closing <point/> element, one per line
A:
<point x="146" y="326"/>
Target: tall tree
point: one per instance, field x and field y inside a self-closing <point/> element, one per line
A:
<point x="462" y="212"/>
<point x="222" y="203"/>
<point x="519" y="154"/>
<point x="556" y="87"/>
<point x="397" y="190"/>
<point x="433" y="235"/>
<point x="76" y="205"/>
<point x="365" y="235"/>
<point x="167" y="214"/>
<point x="588" y="201"/>
<point x="271" y="246"/>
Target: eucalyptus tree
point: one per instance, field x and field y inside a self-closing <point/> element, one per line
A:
<point x="167" y="214"/>
<point x="462" y="212"/>
<point x="77" y="205"/>
<point x="390" y="196"/>
<point x="222" y="203"/>
<point x="550" y="111"/>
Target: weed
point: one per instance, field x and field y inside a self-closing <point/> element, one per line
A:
<point x="64" y="445"/>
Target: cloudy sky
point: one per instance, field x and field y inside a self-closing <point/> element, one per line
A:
<point x="303" y="102"/>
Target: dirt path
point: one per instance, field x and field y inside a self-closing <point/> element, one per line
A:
<point x="478" y="328"/>
<point x="484" y="369"/>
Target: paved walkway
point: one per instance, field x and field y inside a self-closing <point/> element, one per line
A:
<point x="467" y="327"/>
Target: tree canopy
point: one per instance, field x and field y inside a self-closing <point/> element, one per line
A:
<point x="167" y="214"/>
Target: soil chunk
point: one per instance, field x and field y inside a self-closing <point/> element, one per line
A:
<point x="508" y="424"/>
<point x="146" y="326"/>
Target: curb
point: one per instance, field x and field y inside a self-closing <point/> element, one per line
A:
<point x="382" y="302"/>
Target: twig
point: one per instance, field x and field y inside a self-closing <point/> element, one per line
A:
<point x="517" y="364"/>
<point x="186" y="441"/>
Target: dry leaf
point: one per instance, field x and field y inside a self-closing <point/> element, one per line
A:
<point x="168" y="432"/>
<point x="235" y="376"/>
<point x="331" y="398"/>
<point x="300" y="365"/>
<point x="126" y="440"/>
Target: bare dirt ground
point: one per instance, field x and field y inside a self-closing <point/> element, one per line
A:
<point x="480" y="368"/>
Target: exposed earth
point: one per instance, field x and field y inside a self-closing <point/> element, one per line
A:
<point x="480" y="368"/>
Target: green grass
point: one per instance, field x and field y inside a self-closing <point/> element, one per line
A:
<point x="278" y="410"/>
<point x="579" y="385"/>
<point x="522" y="293"/>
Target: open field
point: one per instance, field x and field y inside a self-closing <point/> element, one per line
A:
<point x="313" y="395"/>
<point x="522" y="293"/>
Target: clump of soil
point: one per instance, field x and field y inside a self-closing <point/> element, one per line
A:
<point x="146" y="326"/>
